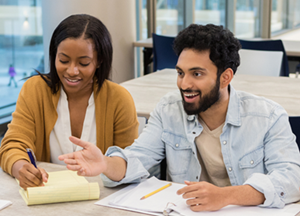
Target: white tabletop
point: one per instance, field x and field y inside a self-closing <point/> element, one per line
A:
<point x="9" y="190"/>
<point x="148" y="90"/>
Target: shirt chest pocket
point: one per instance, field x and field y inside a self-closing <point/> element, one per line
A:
<point x="178" y="153"/>
<point x="252" y="160"/>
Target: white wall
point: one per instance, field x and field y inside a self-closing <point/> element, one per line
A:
<point x="118" y="16"/>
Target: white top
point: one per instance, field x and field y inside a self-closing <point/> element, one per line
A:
<point x="59" y="136"/>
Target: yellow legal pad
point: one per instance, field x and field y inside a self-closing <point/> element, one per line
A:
<point x="62" y="186"/>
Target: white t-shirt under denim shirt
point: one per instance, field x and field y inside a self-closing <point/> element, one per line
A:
<point x="59" y="136"/>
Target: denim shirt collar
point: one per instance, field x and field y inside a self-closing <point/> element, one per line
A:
<point x="233" y="111"/>
<point x="233" y="115"/>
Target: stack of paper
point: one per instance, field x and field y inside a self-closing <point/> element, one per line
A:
<point x="129" y="198"/>
<point x="155" y="203"/>
<point x="62" y="186"/>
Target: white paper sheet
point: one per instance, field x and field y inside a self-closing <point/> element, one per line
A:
<point x="4" y="204"/>
<point x="129" y="199"/>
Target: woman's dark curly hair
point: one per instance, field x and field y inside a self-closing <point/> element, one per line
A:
<point x="76" y="26"/>
<point x="221" y="43"/>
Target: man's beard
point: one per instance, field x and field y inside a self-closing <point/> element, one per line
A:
<point x="205" y="102"/>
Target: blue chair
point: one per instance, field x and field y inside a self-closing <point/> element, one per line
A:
<point x="163" y="53"/>
<point x="295" y="125"/>
<point x="268" y="45"/>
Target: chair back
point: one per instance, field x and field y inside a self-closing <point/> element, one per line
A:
<point x="268" y="45"/>
<point x="256" y="62"/>
<point x="163" y="53"/>
<point x="295" y="125"/>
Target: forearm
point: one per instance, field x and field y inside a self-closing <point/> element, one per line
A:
<point x="116" y="168"/>
<point x="243" y="195"/>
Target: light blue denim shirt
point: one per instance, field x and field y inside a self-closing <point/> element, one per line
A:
<point x="258" y="147"/>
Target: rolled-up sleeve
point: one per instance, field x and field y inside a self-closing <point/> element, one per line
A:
<point x="135" y="170"/>
<point x="281" y="184"/>
<point x="146" y="151"/>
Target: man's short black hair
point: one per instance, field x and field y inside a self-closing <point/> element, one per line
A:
<point x="221" y="43"/>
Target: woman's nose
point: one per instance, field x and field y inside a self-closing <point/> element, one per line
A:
<point x="73" y="70"/>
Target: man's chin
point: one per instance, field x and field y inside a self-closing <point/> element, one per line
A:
<point x="190" y="109"/>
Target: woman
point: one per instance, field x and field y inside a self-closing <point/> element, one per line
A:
<point x="74" y="98"/>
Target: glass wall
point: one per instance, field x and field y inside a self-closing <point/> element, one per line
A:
<point x="210" y="11"/>
<point x="247" y="18"/>
<point x="21" y="45"/>
<point x="169" y="16"/>
<point x="279" y="15"/>
<point x="296" y="13"/>
<point x="285" y="15"/>
<point x="143" y="16"/>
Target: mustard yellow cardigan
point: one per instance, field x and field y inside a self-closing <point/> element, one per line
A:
<point x="35" y="117"/>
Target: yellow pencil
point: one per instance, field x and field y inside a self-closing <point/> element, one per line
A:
<point x="154" y="192"/>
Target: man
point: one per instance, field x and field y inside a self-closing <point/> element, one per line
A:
<point x="228" y="147"/>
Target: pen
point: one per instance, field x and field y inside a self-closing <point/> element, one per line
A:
<point x="154" y="192"/>
<point x="31" y="156"/>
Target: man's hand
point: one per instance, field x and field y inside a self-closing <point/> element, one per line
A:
<point x="203" y="196"/>
<point x="28" y="175"/>
<point x="87" y="162"/>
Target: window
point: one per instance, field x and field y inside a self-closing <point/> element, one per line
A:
<point x="279" y="18"/>
<point x="21" y="48"/>
<point x="296" y="13"/>
<point x="210" y="11"/>
<point x="247" y="18"/>
<point x="169" y="16"/>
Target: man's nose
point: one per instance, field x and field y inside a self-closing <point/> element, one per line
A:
<point x="187" y="82"/>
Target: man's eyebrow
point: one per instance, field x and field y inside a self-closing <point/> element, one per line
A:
<point x="197" y="68"/>
<point x="191" y="69"/>
<point x="178" y="68"/>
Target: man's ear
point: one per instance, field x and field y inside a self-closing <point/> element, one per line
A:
<point x="226" y="78"/>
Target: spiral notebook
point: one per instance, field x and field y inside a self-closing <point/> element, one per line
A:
<point x="167" y="202"/>
<point x="62" y="186"/>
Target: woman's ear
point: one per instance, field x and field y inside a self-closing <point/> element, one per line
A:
<point x="226" y="78"/>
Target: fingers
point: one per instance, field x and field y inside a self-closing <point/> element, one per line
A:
<point x="190" y="187"/>
<point x="70" y="161"/>
<point x="190" y="183"/>
<point x="44" y="175"/>
<point x="66" y="156"/>
<point x="79" y="142"/>
<point x="74" y="167"/>
<point x="199" y="207"/>
<point x="81" y="172"/>
<point x="29" y="176"/>
<point x="192" y="202"/>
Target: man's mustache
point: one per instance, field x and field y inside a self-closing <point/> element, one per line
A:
<point x="190" y="91"/>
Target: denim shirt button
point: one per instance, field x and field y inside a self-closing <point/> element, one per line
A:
<point x="281" y="194"/>
<point x="177" y="145"/>
<point x="229" y="168"/>
<point x="252" y="162"/>
<point x="194" y="132"/>
<point x="224" y="142"/>
<point x="196" y="177"/>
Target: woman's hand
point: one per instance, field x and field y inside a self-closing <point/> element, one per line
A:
<point x="87" y="162"/>
<point x="28" y="175"/>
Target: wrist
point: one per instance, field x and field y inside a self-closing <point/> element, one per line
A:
<point x="17" y="166"/>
